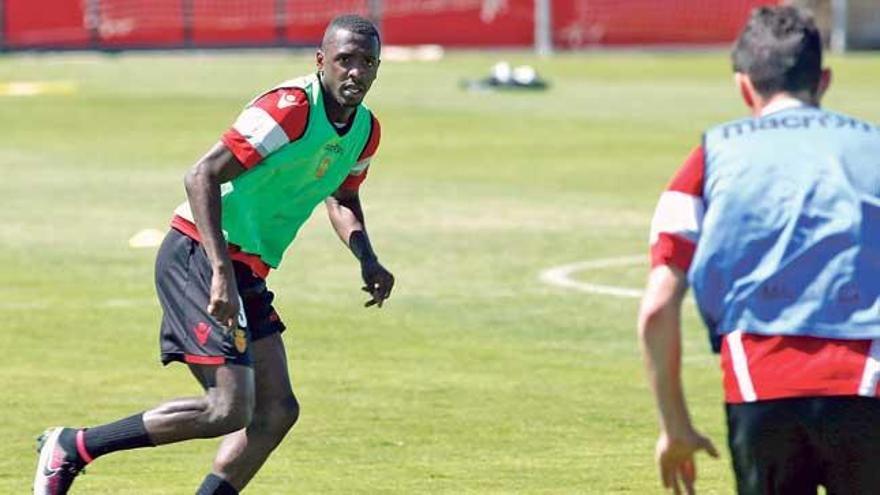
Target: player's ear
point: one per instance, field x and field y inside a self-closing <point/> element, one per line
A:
<point x="319" y="59"/>
<point x="824" y="83"/>
<point x="746" y="89"/>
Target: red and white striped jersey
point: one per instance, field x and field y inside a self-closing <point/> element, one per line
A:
<point x="268" y="123"/>
<point x="278" y="118"/>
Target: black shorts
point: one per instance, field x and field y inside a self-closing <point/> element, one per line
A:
<point x="793" y="446"/>
<point x="189" y="334"/>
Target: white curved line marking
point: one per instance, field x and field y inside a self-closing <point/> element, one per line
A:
<point x="560" y="276"/>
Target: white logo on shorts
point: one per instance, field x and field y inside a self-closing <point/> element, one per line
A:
<point x="242" y="319"/>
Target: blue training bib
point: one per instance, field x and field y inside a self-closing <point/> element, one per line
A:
<point x="790" y="241"/>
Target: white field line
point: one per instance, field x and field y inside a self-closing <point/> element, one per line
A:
<point x="560" y="276"/>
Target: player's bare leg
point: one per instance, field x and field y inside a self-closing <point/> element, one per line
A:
<point x="226" y="406"/>
<point x="243" y="452"/>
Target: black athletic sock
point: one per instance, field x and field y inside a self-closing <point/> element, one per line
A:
<point x="127" y="433"/>
<point x="215" y="485"/>
<point x="67" y="440"/>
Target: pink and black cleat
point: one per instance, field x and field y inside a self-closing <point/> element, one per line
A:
<point x="59" y="462"/>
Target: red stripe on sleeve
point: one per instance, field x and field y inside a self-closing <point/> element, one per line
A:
<point x="353" y="182"/>
<point x="689" y="178"/>
<point x="241" y="148"/>
<point x="289" y="107"/>
<point x="674" y="250"/>
<point x="373" y="141"/>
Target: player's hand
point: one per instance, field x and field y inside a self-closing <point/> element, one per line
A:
<point x="379" y="282"/>
<point x="224" y="303"/>
<point x="675" y="458"/>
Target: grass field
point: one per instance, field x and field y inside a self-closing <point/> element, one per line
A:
<point x="475" y="377"/>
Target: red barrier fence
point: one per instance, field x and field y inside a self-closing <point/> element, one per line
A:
<point x="117" y="24"/>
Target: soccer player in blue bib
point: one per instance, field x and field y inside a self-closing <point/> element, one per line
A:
<point x="774" y="221"/>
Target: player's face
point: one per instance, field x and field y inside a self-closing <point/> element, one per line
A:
<point x="350" y="62"/>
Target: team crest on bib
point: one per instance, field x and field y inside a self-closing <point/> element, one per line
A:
<point x="240" y="340"/>
<point x="322" y="168"/>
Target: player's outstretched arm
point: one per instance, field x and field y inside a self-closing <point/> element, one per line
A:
<point x="202" y="183"/>
<point x="347" y="218"/>
<point x="660" y="337"/>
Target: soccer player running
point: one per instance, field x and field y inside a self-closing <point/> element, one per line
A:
<point x="306" y="141"/>
<point x="775" y="222"/>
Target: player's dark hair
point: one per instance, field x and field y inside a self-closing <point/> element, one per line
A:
<point x="352" y="23"/>
<point x="780" y="49"/>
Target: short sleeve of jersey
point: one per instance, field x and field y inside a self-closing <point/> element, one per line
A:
<point x="678" y="218"/>
<point x="359" y="171"/>
<point x="268" y="123"/>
